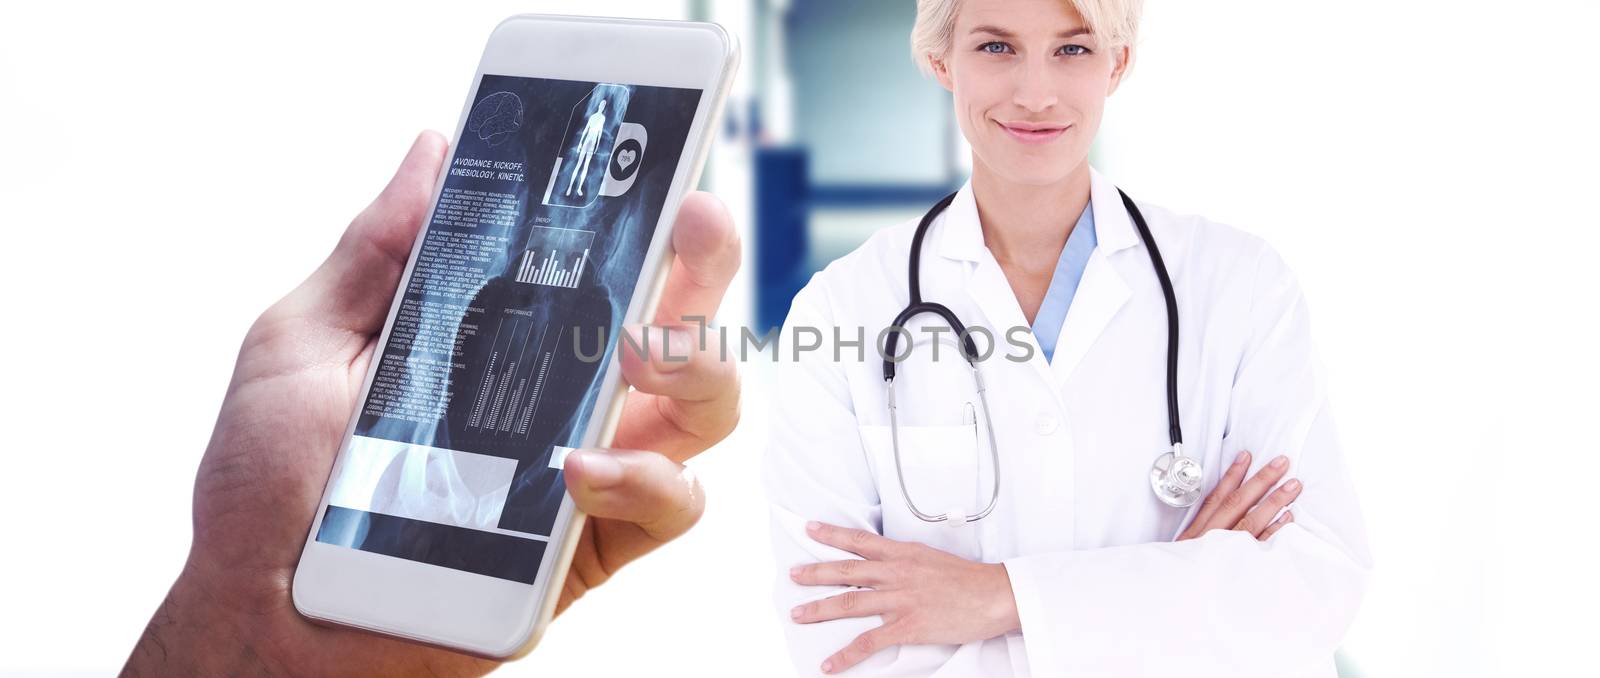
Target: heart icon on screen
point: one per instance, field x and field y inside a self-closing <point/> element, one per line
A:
<point x="626" y="157"/>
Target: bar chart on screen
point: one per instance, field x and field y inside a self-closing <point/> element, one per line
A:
<point x="556" y="257"/>
<point x="514" y="378"/>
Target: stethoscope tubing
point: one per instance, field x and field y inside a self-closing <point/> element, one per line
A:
<point x="1175" y="430"/>
<point x="917" y="307"/>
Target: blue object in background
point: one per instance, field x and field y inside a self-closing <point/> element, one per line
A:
<point x="864" y="132"/>
<point x="781" y="190"/>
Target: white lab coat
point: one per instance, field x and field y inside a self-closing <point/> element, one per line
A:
<point x="1101" y="587"/>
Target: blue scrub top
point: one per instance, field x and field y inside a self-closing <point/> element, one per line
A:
<point x="1064" y="283"/>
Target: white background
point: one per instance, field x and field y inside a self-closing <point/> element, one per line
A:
<point x="1427" y="167"/>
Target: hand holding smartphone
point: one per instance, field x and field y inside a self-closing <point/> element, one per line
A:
<point x="306" y="364"/>
<point x="317" y="355"/>
<point x="446" y="518"/>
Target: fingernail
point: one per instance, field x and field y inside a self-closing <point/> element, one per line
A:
<point x="1280" y="462"/>
<point x="597" y="469"/>
<point x="794" y="613"/>
<point x="1243" y="457"/>
<point x="794" y="573"/>
<point x="813" y="526"/>
<point x="827" y="666"/>
<point x="1293" y="485"/>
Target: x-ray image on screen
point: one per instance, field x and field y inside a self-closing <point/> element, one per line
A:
<point x="493" y="366"/>
<point x="591" y="132"/>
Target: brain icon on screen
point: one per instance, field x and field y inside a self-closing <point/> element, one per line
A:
<point x="496" y="117"/>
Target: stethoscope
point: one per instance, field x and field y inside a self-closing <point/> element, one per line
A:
<point x="1174" y="477"/>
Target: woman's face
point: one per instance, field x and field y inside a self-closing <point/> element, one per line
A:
<point x="1030" y="84"/>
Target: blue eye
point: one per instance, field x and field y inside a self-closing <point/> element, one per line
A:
<point x="1074" y="50"/>
<point x="994" y="48"/>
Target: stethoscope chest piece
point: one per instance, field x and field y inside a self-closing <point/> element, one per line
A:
<point x="1176" y="478"/>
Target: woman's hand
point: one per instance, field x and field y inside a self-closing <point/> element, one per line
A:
<point x="924" y="595"/>
<point x="927" y="596"/>
<point x="1232" y="506"/>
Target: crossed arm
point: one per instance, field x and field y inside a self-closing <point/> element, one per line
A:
<point x="926" y="596"/>
<point x="858" y="599"/>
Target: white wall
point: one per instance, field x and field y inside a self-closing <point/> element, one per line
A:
<point x="1425" y="165"/>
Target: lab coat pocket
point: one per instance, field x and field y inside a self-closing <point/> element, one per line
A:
<point x="943" y="469"/>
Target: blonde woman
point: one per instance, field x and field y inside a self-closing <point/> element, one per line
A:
<point x="997" y="507"/>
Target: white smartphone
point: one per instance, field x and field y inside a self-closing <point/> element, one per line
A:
<point x="445" y="519"/>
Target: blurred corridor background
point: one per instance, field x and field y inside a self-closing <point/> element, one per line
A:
<point x="1426" y="167"/>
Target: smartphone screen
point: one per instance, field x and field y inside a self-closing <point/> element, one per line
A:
<point x="498" y="351"/>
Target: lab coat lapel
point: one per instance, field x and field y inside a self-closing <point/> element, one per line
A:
<point x="992" y="293"/>
<point x="1100" y="295"/>
<point x="1102" y="291"/>
<point x="961" y="238"/>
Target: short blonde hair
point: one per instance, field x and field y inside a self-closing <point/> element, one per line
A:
<point x="1114" y="21"/>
